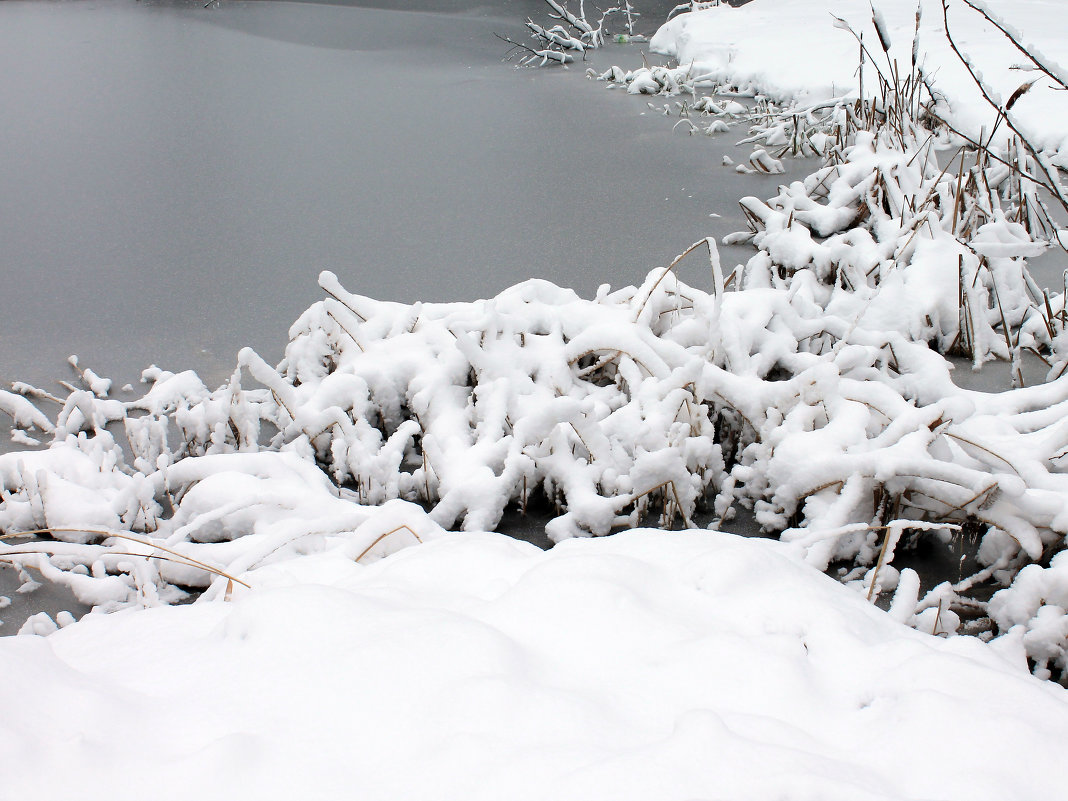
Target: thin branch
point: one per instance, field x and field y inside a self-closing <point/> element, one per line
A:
<point x="1010" y="35"/>
<point x="1051" y="183"/>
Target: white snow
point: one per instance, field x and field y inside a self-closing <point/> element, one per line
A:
<point x="365" y="648"/>
<point x="792" y="49"/>
<point x="650" y="665"/>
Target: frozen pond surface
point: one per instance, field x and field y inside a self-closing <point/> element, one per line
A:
<point x="176" y="177"/>
<point x="48" y="598"/>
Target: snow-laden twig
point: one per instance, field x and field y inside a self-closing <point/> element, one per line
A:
<point x="572" y="33"/>
<point x="1050" y="178"/>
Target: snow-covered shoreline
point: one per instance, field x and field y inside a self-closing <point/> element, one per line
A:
<point x="347" y="644"/>
<point x="792" y="50"/>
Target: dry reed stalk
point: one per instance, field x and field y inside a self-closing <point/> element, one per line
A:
<point x="1049" y="181"/>
<point x="938" y="619"/>
<point x="1036" y="60"/>
<point x="343" y="303"/>
<point x="189" y="561"/>
<point x="890" y="541"/>
<point x="604" y="362"/>
<point x="663" y="486"/>
<point x="733" y="408"/>
<point x="809" y="493"/>
<point x="342" y="326"/>
<point x="229" y="580"/>
<point x="983" y="492"/>
<point x="713" y="260"/>
<point x="996" y="455"/>
<point x="381" y="537"/>
<point x="1017" y="373"/>
<point x="278" y="400"/>
<point x="889" y="530"/>
<point x="616" y="354"/>
<point x="589" y="450"/>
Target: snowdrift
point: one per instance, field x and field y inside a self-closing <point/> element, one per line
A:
<point x="647" y="665"/>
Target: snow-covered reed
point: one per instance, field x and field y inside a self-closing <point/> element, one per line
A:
<point x="570" y="33"/>
<point x="783" y="398"/>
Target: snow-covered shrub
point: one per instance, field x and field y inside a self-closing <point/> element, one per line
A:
<point x="884" y="237"/>
<point x="1035" y="610"/>
<point x="937" y="253"/>
<point x="834" y="430"/>
<point x="571" y="33"/>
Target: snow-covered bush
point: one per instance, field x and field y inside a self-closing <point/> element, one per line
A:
<point x="885" y="237"/>
<point x="569" y="34"/>
<point x="664" y="395"/>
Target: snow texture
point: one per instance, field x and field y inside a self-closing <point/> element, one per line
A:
<point x="647" y="665"/>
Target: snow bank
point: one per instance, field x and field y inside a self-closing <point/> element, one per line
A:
<point x="791" y="49"/>
<point x="646" y="665"/>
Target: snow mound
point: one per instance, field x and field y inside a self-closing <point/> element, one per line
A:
<point x="646" y="665"/>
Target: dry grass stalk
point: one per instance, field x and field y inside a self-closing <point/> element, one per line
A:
<point x="342" y="326"/>
<point x="664" y="485"/>
<point x="180" y="557"/>
<point x="381" y="537"/>
<point x="713" y="258"/>
<point x="1048" y="181"/>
